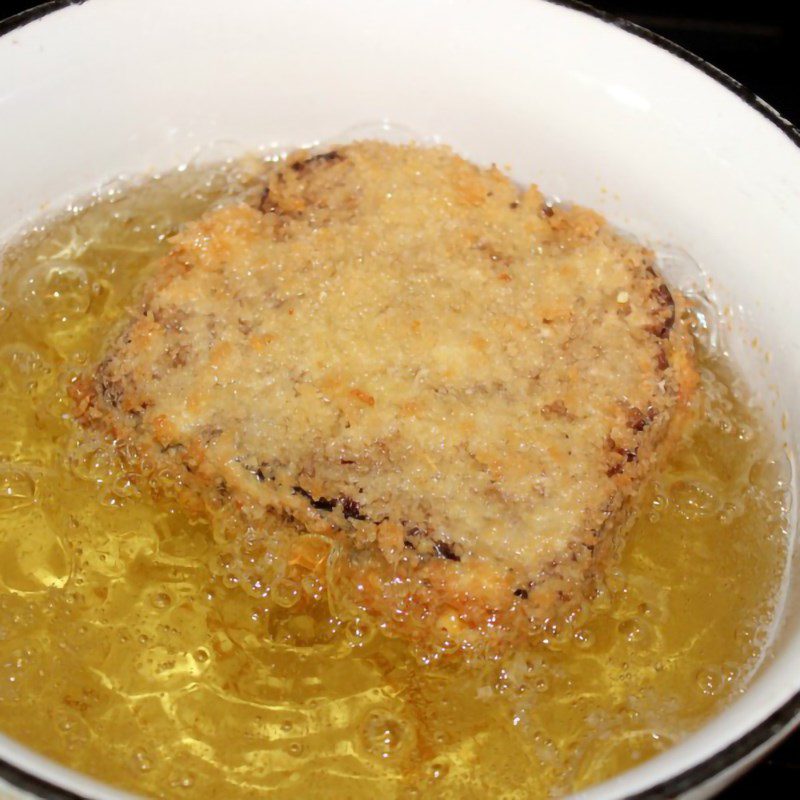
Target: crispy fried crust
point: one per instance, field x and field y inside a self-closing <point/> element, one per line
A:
<point x="461" y="384"/>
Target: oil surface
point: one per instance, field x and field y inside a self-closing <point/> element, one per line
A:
<point x="132" y="649"/>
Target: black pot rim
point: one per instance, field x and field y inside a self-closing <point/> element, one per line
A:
<point x="784" y="718"/>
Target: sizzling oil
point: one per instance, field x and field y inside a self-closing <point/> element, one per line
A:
<point x="129" y="649"/>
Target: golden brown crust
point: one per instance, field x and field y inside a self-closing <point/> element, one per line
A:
<point x="461" y="384"/>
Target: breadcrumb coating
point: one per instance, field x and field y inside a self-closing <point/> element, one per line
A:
<point x="461" y="385"/>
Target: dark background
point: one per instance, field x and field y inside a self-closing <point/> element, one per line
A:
<point x="755" y="44"/>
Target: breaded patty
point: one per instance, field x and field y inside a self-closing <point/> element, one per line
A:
<point x="462" y="385"/>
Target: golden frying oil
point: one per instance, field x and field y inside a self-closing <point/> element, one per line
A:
<point x="129" y="649"/>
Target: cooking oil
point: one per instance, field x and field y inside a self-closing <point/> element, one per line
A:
<point x="132" y="648"/>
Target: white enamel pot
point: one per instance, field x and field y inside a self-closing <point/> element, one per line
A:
<point x="601" y="113"/>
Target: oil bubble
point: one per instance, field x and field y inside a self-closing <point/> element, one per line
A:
<point x="161" y="600"/>
<point x="225" y="561"/>
<point x="383" y="734"/>
<point x="745" y="432"/>
<point x="636" y="631"/>
<point x="24" y="366"/>
<point x="768" y="474"/>
<point x="358" y="632"/>
<point x="185" y="781"/>
<point x="285" y="593"/>
<point x="252" y="584"/>
<point x="312" y="586"/>
<point x="704" y="322"/>
<point x="693" y="499"/>
<point x="659" y="502"/>
<point x="230" y="580"/>
<point x="438" y="770"/>
<point x="681" y="268"/>
<point x="709" y="680"/>
<point x="17" y="488"/>
<point x="56" y="290"/>
<point x="729" y="513"/>
<point x="91" y="463"/>
<point x="142" y="761"/>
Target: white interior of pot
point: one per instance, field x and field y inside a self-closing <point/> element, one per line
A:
<point x="589" y="112"/>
